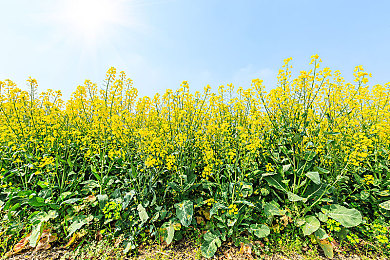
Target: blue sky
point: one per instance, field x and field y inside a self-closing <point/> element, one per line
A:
<point x="160" y="43"/>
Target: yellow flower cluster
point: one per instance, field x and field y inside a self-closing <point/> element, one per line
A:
<point x="212" y="129"/>
<point x="112" y="210"/>
<point x="369" y="179"/>
<point x="232" y="209"/>
<point x="269" y="167"/>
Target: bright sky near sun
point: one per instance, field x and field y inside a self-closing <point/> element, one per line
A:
<point x="160" y="43"/>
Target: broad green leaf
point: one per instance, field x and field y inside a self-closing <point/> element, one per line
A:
<point x="210" y="244"/>
<point x="184" y="212"/>
<point x="311" y="225"/>
<point x="300" y="221"/>
<point x="128" y="245"/>
<point x="273" y="209"/>
<point x="245" y="202"/>
<point x="309" y="155"/>
<point x="321" y="170"/>
<point x="385" y="205"/>
<point x="321" y="234"/>
<point x="43" y="216"/>
<point x="15" y="207"/>
<point x="286" y="167"/>
<point x="216" y="207"/>
<point x="246" y="190"/>
<point x="103" y="199"/>
<point x="65" y="195"/>
<point x="314" y="176"/>
<point x="49" y="215"/>
<point x="322" y="217"/>
<point x="171" y="233"/>
<point x="70" y="201"/>
<point x="259" y="231"/>
<point x="35" y="234"/>
<point x="276" y="182"/>
<point x="78" y="222"/>
<point x="327" y="247"/>
<point x="127" y="199"/>
<point x="347" y="217"/>
<point x="231" y="222"/>
<point x="36" y="202"/>
<point x="383" y="193"/>
<point x="294" y="197"/>
<point x="143" y="215"/>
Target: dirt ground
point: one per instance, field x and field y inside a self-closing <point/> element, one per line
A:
<point x="182" y="250"/>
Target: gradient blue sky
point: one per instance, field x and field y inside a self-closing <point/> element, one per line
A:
<point x="160" y="43"/>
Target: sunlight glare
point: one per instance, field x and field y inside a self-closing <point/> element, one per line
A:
<point x="91" y="19"/>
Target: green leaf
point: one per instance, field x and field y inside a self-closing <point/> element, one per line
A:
<point x="78" y="222"/>
<point x="384" y="193"/>
<point x="300" y="221"/>
<point x="127" y="199"/>
<point x="309" y="155"/>
<point x="184" y="212"/>
<point x="42" y="217"/>
<point x="246" y="189"/>
<point x="231" y="222"/>
<point x="364" y="195"/>
<point x="70" y="201"/>
<point x="35" y="234"/>
<point x="36" y="202"/>
<point x="102" y="198"/>
<point x="321" y="234"/>
<point x="171" y="233"/>
<point x="259" y="231"/>
<point x="311" y="225"/>
<point x="15" y="207"/>
<point x="385" y="205"/>
<point x="286" y="167"/>
<point x="294" y="197"/>
<point x="276" y="182"/>
<point x="49" y="215"/>
<point x="322" y="217"/>
<point x="347" y="217"/>
<point x="216" y="207"/>
<point x="65" y="195"/>
<point x="128" y="245"/>
<point x="142" y="213"/>
<point x="210" y="244"/>
<point x="321" y="170"/>
<point x="314" y="176"/>
<point x="327" y="247"/>
<point x="273" y="209"/>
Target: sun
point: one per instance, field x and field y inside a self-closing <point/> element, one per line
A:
<point x="90" y="20"/>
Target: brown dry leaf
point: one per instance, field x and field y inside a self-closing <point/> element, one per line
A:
<point x="228" y="255"/>
<point x="285" y="220"/>
<point x="42" y="245"/>
<point x="200" y="220"/>
<point x="22" y="244"/>
<point x="45" y="240"/>
<point x="206" y="214"/>
<point x="245" y="249"/>
<point x="98" y="235"/>
<point x="90" y="198"/>
<point x="259" y="243"/>
<point x="71" y="240"/>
